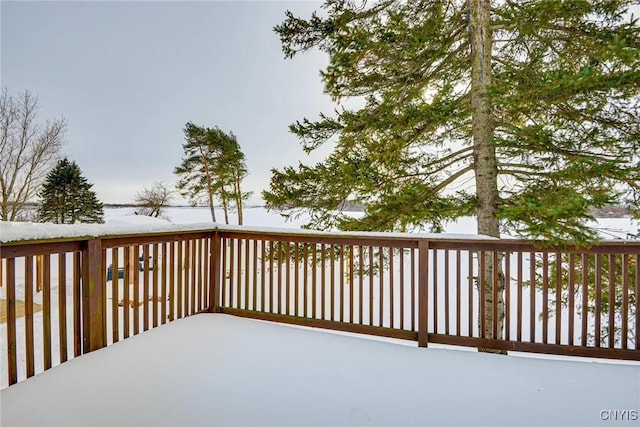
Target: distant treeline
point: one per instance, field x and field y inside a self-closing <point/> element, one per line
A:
<point x="355" y="206"/>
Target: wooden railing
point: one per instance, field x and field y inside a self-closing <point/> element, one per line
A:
<point x="97" y="291"/>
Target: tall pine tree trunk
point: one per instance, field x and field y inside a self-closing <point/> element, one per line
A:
<point x="486" y="169"/>
<point x="225" y="203"/>
<point x="238" y="195"/>
<point x="209" y="178"/>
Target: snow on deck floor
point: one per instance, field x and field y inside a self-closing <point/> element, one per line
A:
<point x="214" y="369"/>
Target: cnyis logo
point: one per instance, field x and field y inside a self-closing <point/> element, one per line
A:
<point x="619" y="415"/>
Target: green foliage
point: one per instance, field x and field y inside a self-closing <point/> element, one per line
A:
<point x="606" y="279"/>
<point x="67" y="198"/>
<point x="213" y="166"/>
<point x="566" y="114"/>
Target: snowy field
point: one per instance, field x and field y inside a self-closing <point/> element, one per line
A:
<point x="609" y="228"/>
<point x="213" y="369"/>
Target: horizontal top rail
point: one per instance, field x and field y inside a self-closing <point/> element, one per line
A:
<point x="15" y="233"/>
<point x="50" y="236"/>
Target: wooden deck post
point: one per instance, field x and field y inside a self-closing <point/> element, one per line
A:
<point x="423" y="292"/>
<point x="93" y="295"/>
<point x="214" y="273"/>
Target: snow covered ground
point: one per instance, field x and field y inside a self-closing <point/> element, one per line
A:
<point x="213" y="369"/>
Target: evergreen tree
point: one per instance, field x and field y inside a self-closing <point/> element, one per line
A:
<point x="67" y="198"/>
<point x="233" y="171"/>
<point x="213" y="167"/>
<point x="525" y="114"/>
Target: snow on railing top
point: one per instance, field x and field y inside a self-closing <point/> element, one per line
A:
<point x="24" y="231"/>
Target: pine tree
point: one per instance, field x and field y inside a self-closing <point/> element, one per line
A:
<point x="525" y="114"/>
<point x="213" y="167"/>
<point x="67" y="198"/>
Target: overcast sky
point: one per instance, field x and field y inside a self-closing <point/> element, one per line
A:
<point x="127" y="76"/>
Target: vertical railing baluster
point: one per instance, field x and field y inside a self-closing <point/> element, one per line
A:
<point x="637" y="295"/>
<point x="446" y="292"/>
<point x="115" y="283"/>
<point x="470" y="279"/>
<point x="255" y="275"/>
<point x="28" y="315"/>
<point x="179" y="277"/>
<point x="263" y="275"/>
<point x="287" y="282"/>
<point x="239" y="274"/>
<point x="46" y="311"/>
<point x="341" y="317"/>
<point x="495" y="279"/>
<point x="12" y="357"/>
<point x="612" y="300"/>
<point x="402" y="282"/>
<point x="532" y="297"/>
<point x="391" y="288"/>
<point x="128" y="275"/>
<point x="559" y="288"/>
<point x="423" y="293"/>
<point x="305" y="279"/>
<point x="135" y="270"/>
<point x="381" y="290"/>
<point x="165" y="282"/>
<point x="206" y="259"/>
<point x="520" y="290"/>
<point x="247" y="277"/>
<point x="323" y="281"/>
<point x="414" y="326"/>
<point x="624" y="332"/>
<point x="598" y="313"/>
<point x="436" y="303"/>
<point x="271" y="299"/>
<point x="332" y="280"/>
<point x="314" y="286"/>
<point x="145" y="287"/>
<point x="371" y="271"/>
<point x="155" y="298"/>
<point x="174" y="270"/>
<point x="458" y="296"/>
<point x="507" y="294"/>
<point x="77" y="306"/>
<point x="280" y="278"/>
<point x="62" y="306"/>
<point x="585" y="299"/>
<point x="545" y="297"/>
<point x="572" y="297"/>
<point x="194" y="270"/>
<point x="232" y="270"/>
<point x="296" y="279"/>
<point x="188" y="266"/>
<point x="224" y="244"/>
<point x="481" y="293"/>
<point x="352" y="285"/>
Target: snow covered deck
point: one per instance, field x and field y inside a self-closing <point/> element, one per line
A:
<point x="215" y="369"/>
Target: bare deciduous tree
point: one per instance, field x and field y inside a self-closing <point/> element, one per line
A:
<point x="28" y="151"/>
<point x="152" y="200"/>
